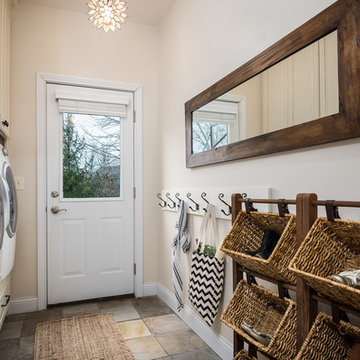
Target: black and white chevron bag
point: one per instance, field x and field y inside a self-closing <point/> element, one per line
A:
<point x="207" y="272"/>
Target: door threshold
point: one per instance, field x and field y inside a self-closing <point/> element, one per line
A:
<point x="109" y="298"/>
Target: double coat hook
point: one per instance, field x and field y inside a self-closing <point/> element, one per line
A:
<point x="159" y="197"/>
<point x="177" y="197"/>
<point x="173" y="202"/>
<point x="197" y="206"/>
<point x="221" y="196"/>
<point x="203" y="197"/>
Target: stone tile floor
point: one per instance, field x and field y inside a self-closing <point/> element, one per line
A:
<point x="148" y="325"/>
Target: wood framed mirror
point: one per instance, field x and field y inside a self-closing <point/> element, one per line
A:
<point x="304" y="90"/>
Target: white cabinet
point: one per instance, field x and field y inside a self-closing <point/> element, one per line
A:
<point x="5" y="51"/>
<point x="5" y="292"/>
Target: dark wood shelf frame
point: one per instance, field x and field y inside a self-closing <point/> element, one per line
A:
<point x="307" y="299"/>
<point x="267" y="278"/>
<point x="342" y="307"/>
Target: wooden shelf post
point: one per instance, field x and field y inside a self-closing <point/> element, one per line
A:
<point x="237" y="273"/>
<point x="306" y="214"/>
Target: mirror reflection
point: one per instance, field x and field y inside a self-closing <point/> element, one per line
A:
<point x="301" y="88"/>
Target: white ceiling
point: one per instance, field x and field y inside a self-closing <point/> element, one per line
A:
<point x="146" y="12"/>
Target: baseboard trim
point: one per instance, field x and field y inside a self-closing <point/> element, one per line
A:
<point x="215" y="341"/>
<point x="149" y="289"/>
<point x="23" y="305"/>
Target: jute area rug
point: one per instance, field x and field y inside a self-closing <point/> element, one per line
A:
<point x="89" y="337"/>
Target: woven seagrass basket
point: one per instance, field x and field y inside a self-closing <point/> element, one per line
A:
<point x="247" y="234"/>
<point x="243" y="355"/>
<point x="266" y="312"/>
<point x="329" y="248"/>
<point x="328" y="340"/>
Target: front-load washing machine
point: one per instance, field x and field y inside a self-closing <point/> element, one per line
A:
<point x="10" y="214"/>
<point x="2" y="206"/>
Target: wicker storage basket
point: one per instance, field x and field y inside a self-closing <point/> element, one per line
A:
<point x="328" y="341"/>
<point x="247" y="234"/>
<point x="329" y="248"/>
<point x="243" y="355"/>
<point x="265" y="311"/>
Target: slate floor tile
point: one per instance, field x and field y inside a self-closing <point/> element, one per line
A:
<point x="11" y="330"/>
<point x="146" y="348"/>
<point x="210" y="354"/>
<point x="124" y="312"/>
<point x="165" y="323"/>
<point x="45" y="315"/>
<point x="107" y="304"/>
<point x="9" y="349"/>
<point x="26" y="345"/>
<point x="29" y="327"/>
<point x="133" y="329"/>
<point x="176" y="342"/>
<point x="16" y="317"/>
<point x="82" y="309"/>
<point x="151" y="306"/>
<point x="194" y="355"/>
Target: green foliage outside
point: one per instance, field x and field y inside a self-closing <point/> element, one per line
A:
<point x="91" y="168"/>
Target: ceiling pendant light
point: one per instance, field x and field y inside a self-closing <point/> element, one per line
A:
<point x="107" y="14"/>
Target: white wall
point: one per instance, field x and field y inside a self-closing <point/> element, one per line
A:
<point x="201" y="42"/>
<point x="64" y="42"/>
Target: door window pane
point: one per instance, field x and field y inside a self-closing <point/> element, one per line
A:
<point x="91" y="156"/>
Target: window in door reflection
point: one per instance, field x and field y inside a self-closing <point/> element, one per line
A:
<point x="207" y="136"/>
<point x="91" y="156"/>
<point x="218" y="123"/>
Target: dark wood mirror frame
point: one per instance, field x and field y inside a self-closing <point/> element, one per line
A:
<point x="343" y="16"/>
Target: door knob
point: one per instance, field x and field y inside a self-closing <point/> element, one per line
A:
<point x="56" y="210"/>
<point x="54" y="194"/>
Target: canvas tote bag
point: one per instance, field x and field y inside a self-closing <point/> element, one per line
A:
<point x="207" y="272"/>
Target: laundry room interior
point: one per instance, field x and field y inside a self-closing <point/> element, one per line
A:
<point x="179" y="179"/>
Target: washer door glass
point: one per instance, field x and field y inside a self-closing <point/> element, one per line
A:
<point x="11" y="228"/>
<point x="2" y="212"/>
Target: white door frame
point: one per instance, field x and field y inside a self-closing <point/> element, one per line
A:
<point x="42" y="80"/>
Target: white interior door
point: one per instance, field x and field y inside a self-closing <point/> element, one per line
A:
<point x="90" y="204"/>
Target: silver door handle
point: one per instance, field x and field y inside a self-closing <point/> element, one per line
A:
<point x="56" y="210"/>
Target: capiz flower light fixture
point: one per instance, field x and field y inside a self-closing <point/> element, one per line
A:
<point x="107" y="14"/>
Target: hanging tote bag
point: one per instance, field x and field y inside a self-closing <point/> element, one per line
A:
<point x="207" y="270"/>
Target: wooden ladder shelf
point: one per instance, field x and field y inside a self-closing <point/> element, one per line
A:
<point x="306" y="298"/>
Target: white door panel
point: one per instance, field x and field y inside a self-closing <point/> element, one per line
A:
<point x="90" y="165"/>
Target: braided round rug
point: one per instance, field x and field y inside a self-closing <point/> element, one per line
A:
<point x="95" y="337"/>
